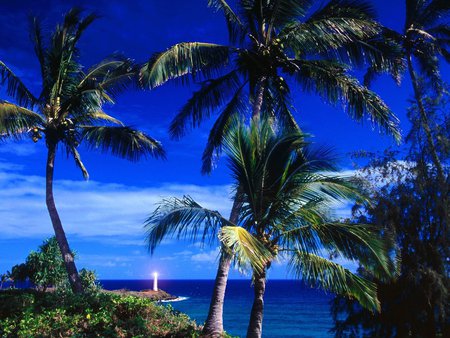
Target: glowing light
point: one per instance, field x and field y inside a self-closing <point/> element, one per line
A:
<point x="155" y="281"/>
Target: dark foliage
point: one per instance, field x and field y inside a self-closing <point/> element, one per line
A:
<point x="408" y="202"/>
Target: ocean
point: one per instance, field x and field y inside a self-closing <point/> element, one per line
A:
<point x="290" y="310"/>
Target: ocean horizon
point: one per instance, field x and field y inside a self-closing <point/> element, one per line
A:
<point x="291" y="309"/>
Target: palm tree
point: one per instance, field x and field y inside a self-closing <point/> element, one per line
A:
<point x="269" y="41"/>
<point x="68" y="111"/>
<point x="272" y="40"/>
<point x="424" y="40"/>
<point x="286" y="196"/>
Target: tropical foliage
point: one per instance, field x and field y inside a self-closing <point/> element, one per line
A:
<point x="27" y="313"/>
<point x="286" y="193"/>
<point x="43" y="268"/>
<point x="425" y="43"/>
<point x="274" y="44"/>
<point x="69" y="111"/>
<point x="407" y="202"/>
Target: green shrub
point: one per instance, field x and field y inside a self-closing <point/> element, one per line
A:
<point x="28" y="313"/>
<point x="43" y="268"/>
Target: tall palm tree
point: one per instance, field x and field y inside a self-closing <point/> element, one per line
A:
<point x="286" y="190"/>
<point x="270" y="40"/>
<point x="424" y="40"/>
<point x="69" y="110"/>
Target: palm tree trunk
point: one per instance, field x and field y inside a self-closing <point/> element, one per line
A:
<point x="256" y="317"/>
<point x="214" y="323"/>
<point x="257" y="104"/>
<point x="443" y="187"/>
<point x="67" y="255"/>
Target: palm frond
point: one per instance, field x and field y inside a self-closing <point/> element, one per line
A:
<point x="37" y="39"/>
<point x="330" y="80"/>
<point x="435" y="11"/>
<point x="124" y="142"/>
<point x="247" y="249"/>
<point x="16" y="120"/>
<point x="428" y="63"/>
<point x="318" y="271"/>
<point x="182" y="59"/>
<point x="112" y="75"/>
<point x="333" y="26"/>
<point x="93" y="118"/>
<point x="102" y="83"/>
<point x="283" y="12"/>
<point x="76" y="156"/>
<point x="357" y="242"/>
<point x="236" y="107"/>
<point x="16" y="88"/>
<point x="234" y="24"/>
<point x="212" y="95"/>
<point x="278" y="103"/>
<point x="182" y="218"/>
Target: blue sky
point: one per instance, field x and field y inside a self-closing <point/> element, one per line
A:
<point x="103" y="217"/>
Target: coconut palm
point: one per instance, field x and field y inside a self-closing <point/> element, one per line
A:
<point x="286" y="190"/>
<point x="269" y="41"/>
<point x="69" y="110"/>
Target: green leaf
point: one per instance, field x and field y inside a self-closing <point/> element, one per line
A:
<point x="182" y="59"/>
<point x="318" y="271"/>
<point x="330" y="80"/>
<point x="15" y="87"/>
<point x="247" y="249"/>
<point x="124" y="142"/>
<point x="184" y="219"/>
<point x="16" y="120"/>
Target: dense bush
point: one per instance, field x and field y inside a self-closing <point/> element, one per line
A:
<point x="29" y="313"/>
<point x="44" y="267"/>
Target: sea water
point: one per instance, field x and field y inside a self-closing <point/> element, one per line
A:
<point x="291" y="309"/>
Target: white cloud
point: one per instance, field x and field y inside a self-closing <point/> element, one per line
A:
<point x="206" y="257"/>
<point x="19" y="149"/>
<point x="90" y="209"/>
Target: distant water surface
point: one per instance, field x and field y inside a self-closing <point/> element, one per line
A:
<point x="291" y="309"/>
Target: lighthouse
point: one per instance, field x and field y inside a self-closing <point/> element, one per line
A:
<point x="155" y="281"/>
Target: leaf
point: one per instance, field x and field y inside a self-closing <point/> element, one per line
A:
<point x="182" y="59"/>
<point x="318" y="271"/>
<point x="330" y="80"/>
<point x="212" y="95"/>
<point x="247" y="249"/>
<point x="184" y="219"/>
<point x="124" y="142"/>
<point x="16" y="120"/>
<point x="235" y="27"/>
<point x="15" y="87"/>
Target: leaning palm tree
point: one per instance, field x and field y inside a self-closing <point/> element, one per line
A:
<point x="273" y="44"/>
<point x="286" y="190"/>
<point x="69" y="110"/>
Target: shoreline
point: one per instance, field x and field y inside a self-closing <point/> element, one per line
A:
<point x="159" y="295"/>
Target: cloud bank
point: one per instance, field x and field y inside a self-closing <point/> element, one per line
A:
<point x="89" y="209"/>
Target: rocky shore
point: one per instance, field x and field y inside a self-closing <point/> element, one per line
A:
<point x="153" y="295"/>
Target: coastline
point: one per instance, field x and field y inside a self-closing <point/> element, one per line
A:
<point x="159" y="295"/>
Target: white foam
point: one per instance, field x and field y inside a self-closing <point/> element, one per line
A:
<point x="178" y="299"/>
